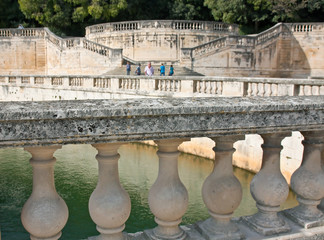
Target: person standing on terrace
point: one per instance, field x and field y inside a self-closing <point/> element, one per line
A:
<point x="149" y="70"/>
<point x="171" y="72"/>
<point x="128" y="68"/>
<point x="162" y="70"/>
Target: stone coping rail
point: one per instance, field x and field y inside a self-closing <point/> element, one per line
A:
<point x="92" y="121"/>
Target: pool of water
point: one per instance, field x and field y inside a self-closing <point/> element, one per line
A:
<point x="76" y="173"/>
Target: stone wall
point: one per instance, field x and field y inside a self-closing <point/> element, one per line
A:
<point x="159" y="40"/>
<point x="23" y="56"/>
<point x="40" y="52"/>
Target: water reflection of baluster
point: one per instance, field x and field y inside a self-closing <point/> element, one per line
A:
<point x="168" y="197"/>
<point x="267" y="221"/>
<point x="45" y="212"/>
<point x="222" y="193"/>
<point x="308" y="182"/>
<point x="109" y="204"/>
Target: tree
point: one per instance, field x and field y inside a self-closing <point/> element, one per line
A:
<point x="228" y="11"/>
<point x="259" y="13"/>
<point x="10" y="15"/>
<point x="66" y="16"/>
<point x="189" y="10"/>
<point x="287" y="10"/>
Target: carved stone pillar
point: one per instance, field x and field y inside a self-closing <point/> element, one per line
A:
<point x="168" y="197"/>
<point x="109" y="204"/>
<point x="269" y="189"/>
<point x="222" y="193"/>
<point x="45" y="213"/>
<point x="308" y="182"/>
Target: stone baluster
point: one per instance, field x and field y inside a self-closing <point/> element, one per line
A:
<point x="168" y="197"/>
<point x="222" y="193"/>
<point x="109" y="204"/>
<point x="45" y="213"/>
<point x="269" y="189"/>
<point x="250" y="89"/>
<point x="308" y="182"/>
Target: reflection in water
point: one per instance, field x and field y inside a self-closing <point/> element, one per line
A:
<point x="76" y="174"/>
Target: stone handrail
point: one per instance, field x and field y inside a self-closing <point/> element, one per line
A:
<point x="305" y="27"/>
<point x="172" y="24"/>
<point x="305" y="113"/>
<point x="176" y="86"/>
<point x="221" y="43"/>
<point x="25" y="32"/>
<point x="107" y="124"/>
<point x="62" y="43"/>
<point x="238" y="41"/>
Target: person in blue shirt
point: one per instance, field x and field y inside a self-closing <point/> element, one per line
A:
<point x="162" y="70"/>
<point x="171" y="72"/>
<point x="138" y="70"/>
<point x="128" y="68"/>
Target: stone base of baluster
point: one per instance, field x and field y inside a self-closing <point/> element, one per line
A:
<point x="152" y="235"/>
<point x="265" y="227"/>
<point x="213" y="230"/>
<point x="305" y="218"/>
<point x="123" y="236"/>
<point x="57" y="236"/>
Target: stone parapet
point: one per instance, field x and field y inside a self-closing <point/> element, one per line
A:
<point x="60" y="87"/>
<point x="42" y="127"/>
<point x="163" y="24"/>
<point x="137" y="120"/>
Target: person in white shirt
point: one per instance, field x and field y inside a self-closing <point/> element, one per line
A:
<point x="149" y="70"/>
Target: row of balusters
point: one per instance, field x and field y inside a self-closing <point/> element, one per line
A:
<point x="174" y="85"/>
<point x="45" y="212"/>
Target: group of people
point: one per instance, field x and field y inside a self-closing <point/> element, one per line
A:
<point x="149" y="70"/>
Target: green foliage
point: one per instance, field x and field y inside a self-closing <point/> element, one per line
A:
<point x="286" y="10"/>
<point x="10" y="15"/>
<point x="70" y="17"/>
<point x="228" y="11"/>
<point x="189" y="10"/>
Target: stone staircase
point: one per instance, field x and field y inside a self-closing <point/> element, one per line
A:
<point x="178" y="71"/>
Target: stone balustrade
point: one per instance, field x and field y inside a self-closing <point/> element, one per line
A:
<point x="176" y="86"/>
<point x="62" y="43"/>
<point x="43" y="127"/>
<point x="305" y="27"/>
<point x="163" y="24"/>
<point x="237" y="41"/>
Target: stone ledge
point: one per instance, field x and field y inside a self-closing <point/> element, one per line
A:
<point x="296" y="233"/>
<point x="93" y="121"/>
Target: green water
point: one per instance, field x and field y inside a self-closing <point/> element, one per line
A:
<point x="76" y="174"/>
